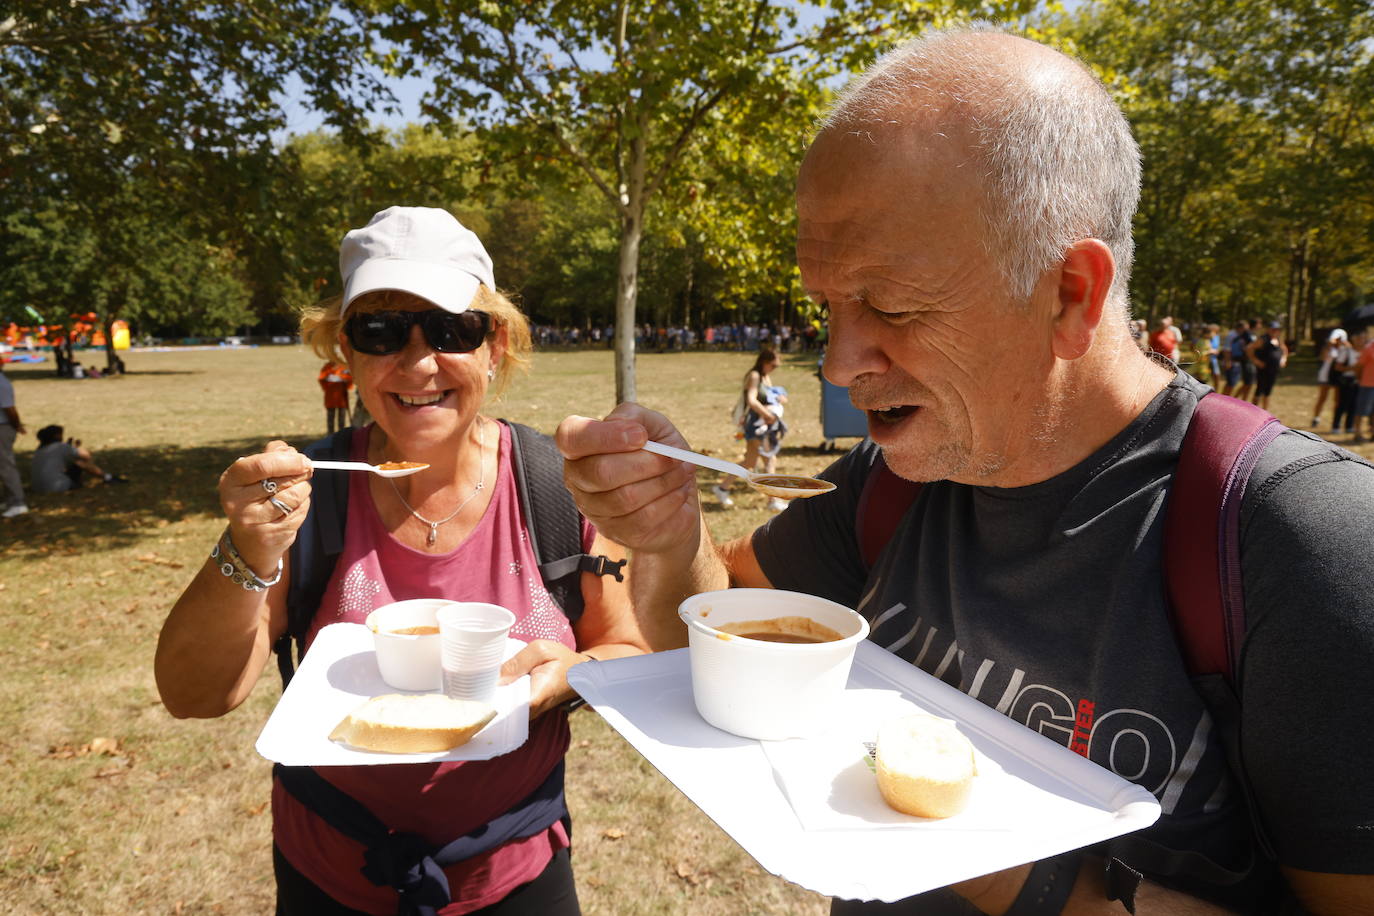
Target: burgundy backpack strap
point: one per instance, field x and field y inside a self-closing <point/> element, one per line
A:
<point x="882" y="503"/>
<point x="1202" y="530"/>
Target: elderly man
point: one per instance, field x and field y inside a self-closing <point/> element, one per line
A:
<point x="964" y="216"/>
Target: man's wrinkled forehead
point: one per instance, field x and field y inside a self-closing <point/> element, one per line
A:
<point x="913" y="155"/>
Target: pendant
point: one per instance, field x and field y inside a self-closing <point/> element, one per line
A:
<point x="433" y="533"/>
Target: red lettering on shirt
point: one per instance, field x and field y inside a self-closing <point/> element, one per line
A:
<point x="1082" y="728"/>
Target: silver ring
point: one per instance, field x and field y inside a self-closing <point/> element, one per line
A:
<point x="270" y="486"/>
<point x="285" y="509"/>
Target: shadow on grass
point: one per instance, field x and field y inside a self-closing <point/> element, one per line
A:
<point x="165" y="484"/>
<point x="36" y="372"/>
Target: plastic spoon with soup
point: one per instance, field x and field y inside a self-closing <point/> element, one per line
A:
<point x="783" y="486"/>
<point x="385" y="469"/>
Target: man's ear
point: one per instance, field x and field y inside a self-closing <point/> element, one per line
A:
<point x="1084" y="279"/>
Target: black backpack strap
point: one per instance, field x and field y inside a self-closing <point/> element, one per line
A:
<point x="554" y="524"/>
<point x="316" y="549"/>
<point x="406" y="861"/>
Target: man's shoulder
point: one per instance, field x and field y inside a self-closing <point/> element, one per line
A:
<point x="1307" y="481"/>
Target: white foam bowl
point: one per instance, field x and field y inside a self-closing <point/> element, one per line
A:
<point x="408" y="662"/>
<point x="767" y="690"/>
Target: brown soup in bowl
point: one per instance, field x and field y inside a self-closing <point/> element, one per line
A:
<point x="415" y="631"/>
<point x="781" y="629"/>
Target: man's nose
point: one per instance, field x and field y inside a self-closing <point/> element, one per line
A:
<point x="854" y="349"/>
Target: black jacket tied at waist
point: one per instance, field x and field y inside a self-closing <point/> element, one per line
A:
<point x="406" y="861"/>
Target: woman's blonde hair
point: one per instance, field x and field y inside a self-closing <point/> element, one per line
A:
<point x="321" y="326"/>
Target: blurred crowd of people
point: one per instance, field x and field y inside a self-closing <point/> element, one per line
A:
<point x="1245" y="362"/>
<point x="745" y="336"/>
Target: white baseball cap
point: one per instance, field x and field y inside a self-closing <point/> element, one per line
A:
<point x="419" y="250"/>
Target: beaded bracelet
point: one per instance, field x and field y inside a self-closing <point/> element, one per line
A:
<point x="233" y="567"/>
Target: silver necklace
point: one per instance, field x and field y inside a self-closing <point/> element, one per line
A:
<point x="481" y="482"/>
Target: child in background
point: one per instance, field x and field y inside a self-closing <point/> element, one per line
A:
<point x="336" y="381"/>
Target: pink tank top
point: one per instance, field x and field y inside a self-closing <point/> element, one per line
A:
<point x="437" y="801"/>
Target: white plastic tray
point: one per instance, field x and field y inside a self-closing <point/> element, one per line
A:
<point x="340" y="672"/>
<point x="809" y="810"/>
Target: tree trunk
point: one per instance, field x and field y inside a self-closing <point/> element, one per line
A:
<point x="1309" y="302"/>
<point x="626" y="292"/>
<point x="687" y="289"/>
<point x="627" y="283"/>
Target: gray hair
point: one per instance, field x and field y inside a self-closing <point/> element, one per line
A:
<point x="1058" y="161"/>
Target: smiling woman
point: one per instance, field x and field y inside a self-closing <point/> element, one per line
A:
<point x="427" y="338"/>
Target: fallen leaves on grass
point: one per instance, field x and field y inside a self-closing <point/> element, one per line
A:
<point x="160" y="561"/>
<point x="118" y="767"/>
<point x="613" y="833"/>
<point x="107" y="746"/>
<point x="688" y="873"/>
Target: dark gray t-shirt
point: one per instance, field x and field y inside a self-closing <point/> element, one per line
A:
<point x="1047" y="602"/>
<point x="49" y="468"/>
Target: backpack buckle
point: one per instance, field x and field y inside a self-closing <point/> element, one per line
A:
<point x="604" y="566"/>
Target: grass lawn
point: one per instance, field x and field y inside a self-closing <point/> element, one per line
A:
<point x="111" y="806"/>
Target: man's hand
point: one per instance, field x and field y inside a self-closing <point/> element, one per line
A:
<point x="636" y="498"/>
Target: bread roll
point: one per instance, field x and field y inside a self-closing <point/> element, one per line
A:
<point x="925" y="766"/>
<point x="413" y="723"/>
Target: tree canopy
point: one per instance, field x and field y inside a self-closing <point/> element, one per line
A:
<point x="626" y="161"/>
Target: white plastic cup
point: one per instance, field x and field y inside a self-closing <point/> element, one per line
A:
<point x="472" y="645"/>
<point x="768" y="690"/>
<point x="407" y="662"/>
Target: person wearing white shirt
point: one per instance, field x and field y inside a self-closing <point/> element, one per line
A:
<point x="10" y="429"/>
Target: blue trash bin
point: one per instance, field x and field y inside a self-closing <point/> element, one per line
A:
<point x="839" y="418"/>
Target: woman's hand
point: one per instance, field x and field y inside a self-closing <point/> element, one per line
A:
<point x="265" y="497"/>
<point x="547" y="663"/>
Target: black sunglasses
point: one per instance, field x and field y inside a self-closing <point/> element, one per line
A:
<point x="382" y="333"/>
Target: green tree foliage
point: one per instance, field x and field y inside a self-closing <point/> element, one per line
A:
<point x="135" y="265"/>
<point x="1258" y="148"/>
<point x="134" y="121"/>
<point x="615" y="93"/>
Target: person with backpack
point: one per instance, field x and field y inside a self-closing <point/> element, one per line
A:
<point x="758" y="416"/>
<point x="428" y="338"/>
<point x="1240" y="372"/>
<point x="964" y="215"/>
<point x="1269" y="354"/>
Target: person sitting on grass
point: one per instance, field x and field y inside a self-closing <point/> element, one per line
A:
<point x="59" y="466"/>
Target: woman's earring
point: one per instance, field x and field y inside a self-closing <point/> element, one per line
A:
<point x="491" y="373"/>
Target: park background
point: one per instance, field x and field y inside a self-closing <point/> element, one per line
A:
<point x="626" y="163"/>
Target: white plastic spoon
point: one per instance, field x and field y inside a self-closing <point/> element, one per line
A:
<point x="381" y="470"/>
<point x="783" y="486"/>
